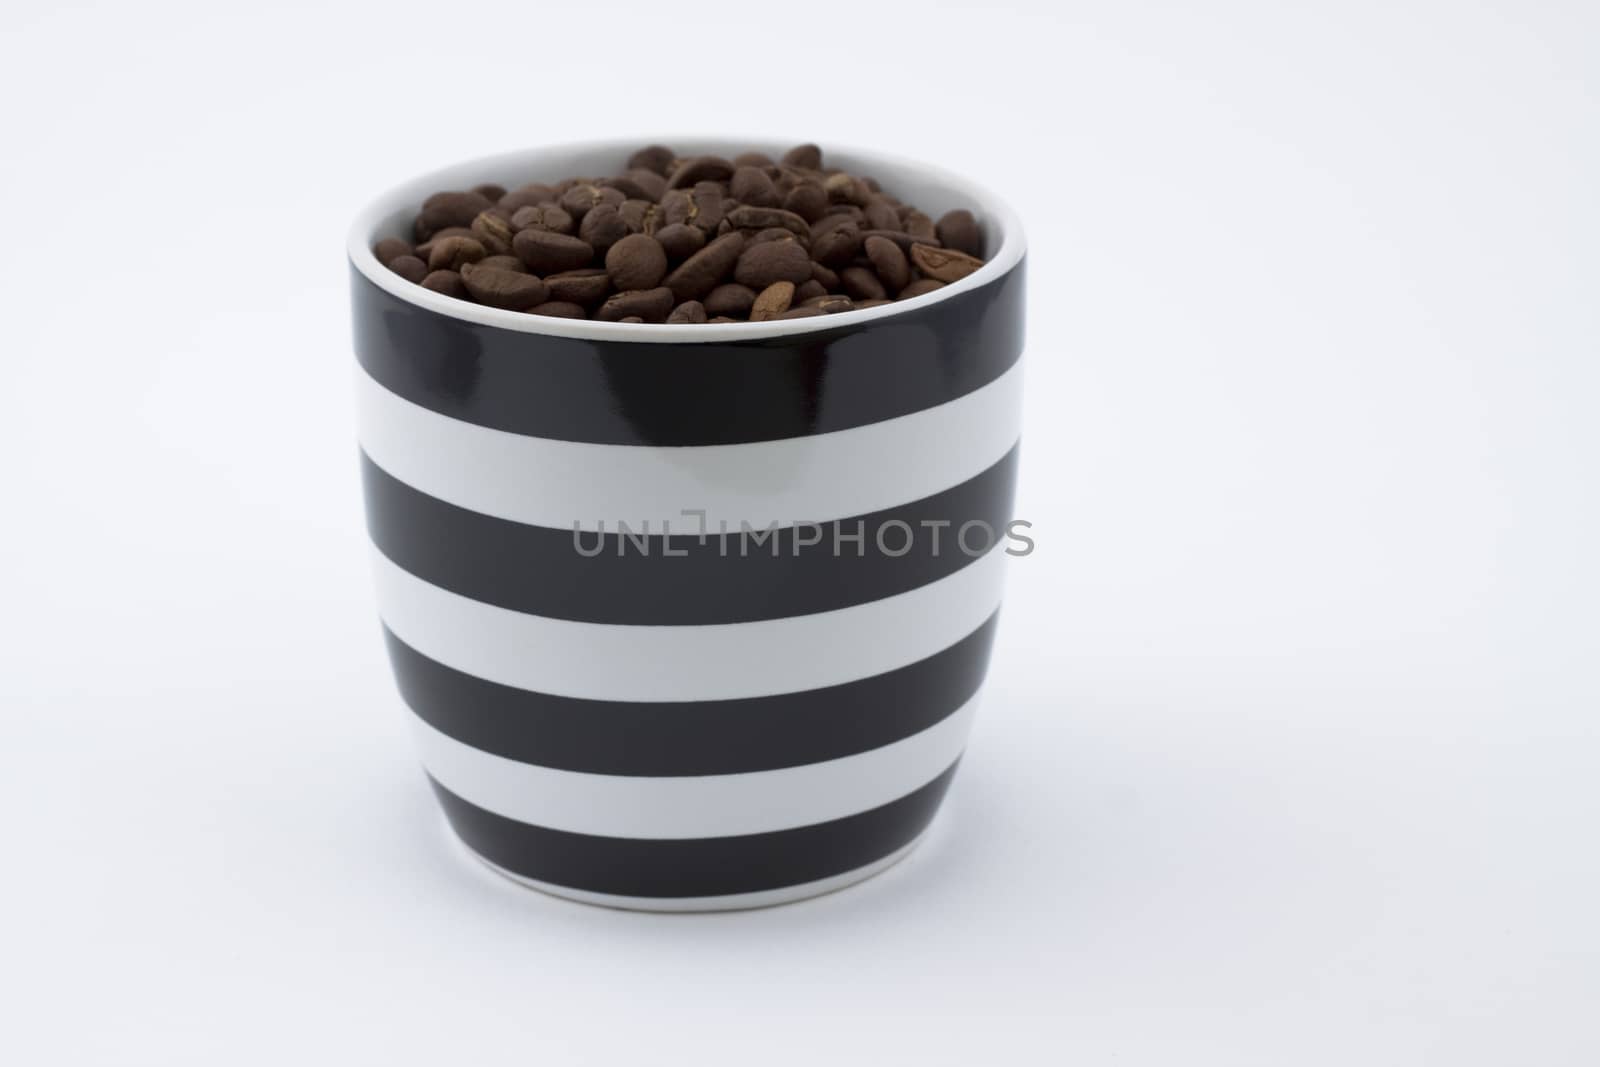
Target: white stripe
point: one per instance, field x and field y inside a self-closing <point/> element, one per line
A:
<point x="721" y="805"/>
<point x="819" y="478"/>
<point x="603" y="661"/>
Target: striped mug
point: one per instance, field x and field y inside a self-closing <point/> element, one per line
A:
<point x="689" y="617"/>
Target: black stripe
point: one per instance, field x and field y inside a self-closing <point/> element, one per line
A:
<point x="695" y="867"/>
<point x="697" y="393"/>
<point x="692" y="737"/>
<point x="540" y="570"/>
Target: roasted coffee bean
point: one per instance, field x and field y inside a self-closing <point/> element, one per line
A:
<point x="836" y="246"/>
<point x="587" y="286"/>
<point x="959" y="230"/>
<point x="846" y="189"/>
<point x="748" y="217"/>
<point x="810" y="289"/>
<point x="762" y="264"/>
<point x="832" y="303"/>
<point x="493" y="230"/>
<point x="550" y="253"/>
<point x="919" y="226"/>
<point x="732" y="300"/>
<point x="680" y="240"/>
<point x="750" y="185"/>
<point x="752" y="159"/>
<point x="655" y="158"/>
<point x="640" y="216"/>
<point x="450" y="253"/>
<point x="701" y="272"/>
<point x="602" y="227"/>
<point x="861" y="283"/>
<point x="700" y="169"/>
<point x="425" y="249"/>
<point x="391" y="248"/>
<point x="829" y="280"/>
<point x="879" y="214"/>
<point x="808" y="156"/>
<point x="410" y="268"/>
<point x="774" y="234"/>
<point x="943" y="264"/>
<point x="559" y="309"/>
<point x="888" y="262"/>
<point x="635" y="262"/>
<point x="772" y="301"/>
<point x="547" y="217"/>
<point x="447" y="282"/>
<point x="901" y="238"/>
<point x="651" y="305"/>
<point x="631" y="320"/>
<point x="802" y="313"/>
<point x="581" y="198"/>
<point x="688" y="311"/>
<point x="490" y="191"/>
<point x="919" y="287"/>
<point x="723" y="318"/>
<point x="808" y="200"/>
<point x="509" y="289"/>
<point x="503" y="262"/>
<point x="527" y="196"/>
<point x="860" y="304"/>
<point x="639" y="184"/>
<point x="448" y="209"/>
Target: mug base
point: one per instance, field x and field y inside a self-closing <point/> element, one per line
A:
<point x="734" y="902"/>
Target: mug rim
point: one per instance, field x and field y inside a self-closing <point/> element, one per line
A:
<point x="364" y="231"/>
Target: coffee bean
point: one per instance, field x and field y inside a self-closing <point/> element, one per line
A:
<point x="550" y="253"/>
<point x="700" y="169"/>
<point x="808" y="200"/>
<point x="701" y="272"/>
<point x="640" y="216"/>
<point x="943" y="264"/>
<point x="959" y="230"/>
<point x="650" y="305"/>
<point x="391" y="248"/>
<point x="448" y="209"/>
<point x="731" y="300"/>
<point x="829" y="280"/>
<point x="900" y="237"/>
<point x="688" y="311"/>
<point x="503" y="262"/>
<point x="802" y="313"/>
<point x="639" y="184"/>
<point x="681" y="241"/>
<point x="861" y="283"/>
<point x="919" y="287"/>
<point x="579" y="200"/>
<point x="808" y="156"/>
<point x="879" y="214"/>
<point x="587" y="286"/>
<point x="559" y="309"/>
<point x="752" y="159"/>
<point x="425" y="249"/>
<point x="527" y="196"/>
<point x="860" y="304"/>
<point x="772" y="301"/>
<point x="547" y="217"/>
<point x="410" y="268"/>
<point x="748" y="217"/>
<point x="447" y="282"/>
<point x="449" y="253"/>
<point x="723" y="318"/>
<point x="919" y="226"/>
<point x="845" y="189"/>
<point x="836" y="245"/>
<point x="761" y="264"/>
<point x="888" y="262"/>
<point x="750" y="185"/>
<point x="832" y="303"/>
<point x="810" y="289"/>
<point x="655" y="158"/>
<point x="602" y="227"/>
<point x="499" y="288"/>
<point x="635" y="262"/>
<point x="493" y="230"/>
<point x="490" y="191"/>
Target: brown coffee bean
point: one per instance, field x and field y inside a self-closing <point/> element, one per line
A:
<point x="846" y="189"/>
<point x="639" y="184"/>
<point x="747" y="217"/>
<point x="752" y="159"/>
<point x="806" y="200"/>
<point x="879" y="214"/>
<point x="888" y="262"/>
<point x="493" y="230"/>
<point x="651" y="305"/>
<point x="701" y="272"/>
<point x="640" y="216"/>
<point x="900" y="238"/>
<point x="655" y="158"/>
<point x="700" y="169"/>
<point x="861" y="283"/>
<point x="527" y="196"/>
<point x="802" y="313"/>
<point x="680" y="241"/>
<point x="635" y="262"/>
<point x="943" y="264"/>
<point x="831" y="303"/>
<point x="490" y="191"/>
<point x="410" y="268"/>
<point x="587" y="286"/>
<point x="860" y="304"/>
<point x="808" y="156"/>
<point x="602" y="227"/>
<point x="772" y="301"/>
<point x="723" y="318"/>
<point x="559" y="309"/>
<point x="425" y="249"/>
<point x="762" y="264"/>
<point x="750" y="185"/>
<point x="688" y="311"/>
<point x="448" y="209"/>
<point x="499" y="288"/>
<point x="447" y="282"/>
<point x="836" y="245"/>
<point x="503" y="262"/>
<point x="732" y="300"/>
<point x="919" y="287"/>
<point x="631" y="320"/>
<point x="547" y="217"/>
<point x="583" y="197"/>
<point x="829" y="279"/>
<point x="551" y="253"/>
<point x="810" y="289"/>
<point x="919" y="226"/>
<point x="959" y="230"/>
<point x="391" y="248"/>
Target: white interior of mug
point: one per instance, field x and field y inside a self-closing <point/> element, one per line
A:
<point x="931" y="189"/>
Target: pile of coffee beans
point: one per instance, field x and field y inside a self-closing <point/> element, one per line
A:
<point x="686" y="240"/>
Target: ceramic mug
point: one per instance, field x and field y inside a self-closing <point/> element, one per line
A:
<point x="689" y="617"/>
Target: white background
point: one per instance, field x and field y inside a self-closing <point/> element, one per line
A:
<point x="1289" y="755"/>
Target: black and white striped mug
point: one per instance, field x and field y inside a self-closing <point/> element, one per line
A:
<point x="689" y="617"/>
